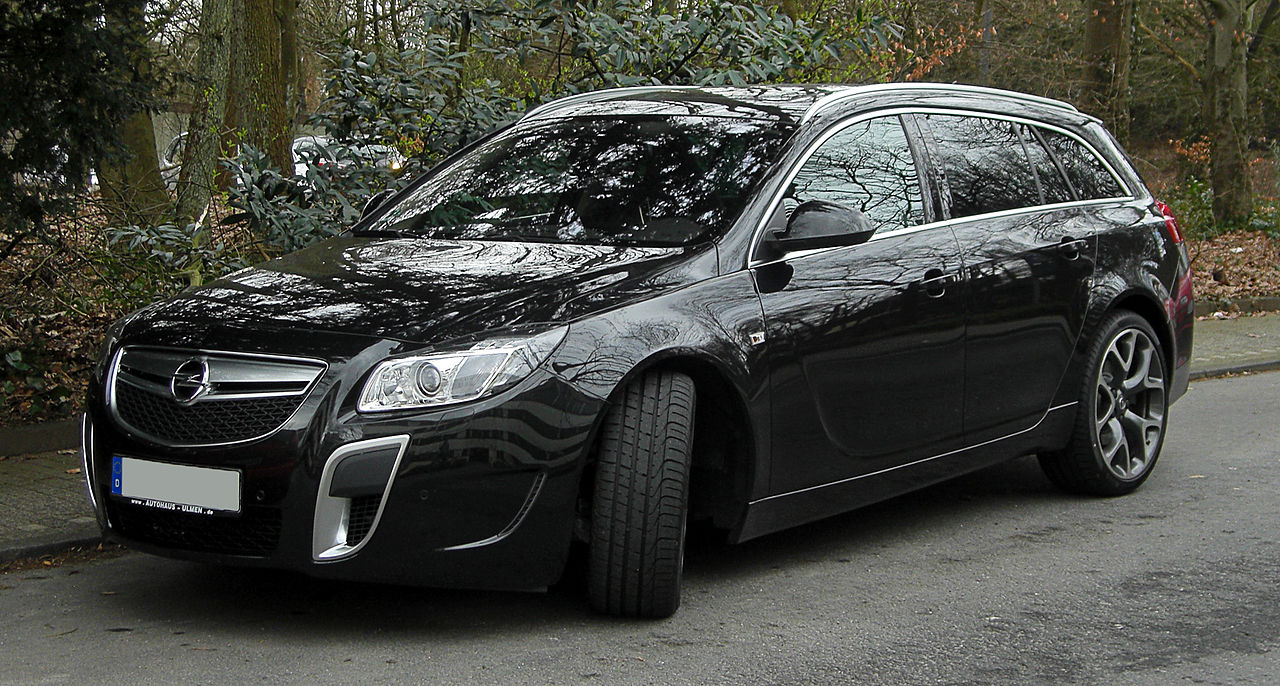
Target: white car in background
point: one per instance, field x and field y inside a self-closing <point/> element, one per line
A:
<point x="322" y="151"/>
<point x="307" y="150"/>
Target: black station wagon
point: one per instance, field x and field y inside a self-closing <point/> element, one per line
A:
<point x="751" y="307"/>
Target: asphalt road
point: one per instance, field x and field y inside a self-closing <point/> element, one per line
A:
<point x="992" y="579"/>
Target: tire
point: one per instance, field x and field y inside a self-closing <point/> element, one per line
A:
<point x="1122" y="413"/>
<point x="641" y="495"/>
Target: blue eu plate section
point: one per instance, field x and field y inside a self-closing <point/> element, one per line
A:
<point x="117" y="475"/>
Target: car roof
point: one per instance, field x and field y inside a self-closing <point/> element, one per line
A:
<point x="784" y="103"/>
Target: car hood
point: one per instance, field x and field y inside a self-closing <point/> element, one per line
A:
<point x="421" y="290"/>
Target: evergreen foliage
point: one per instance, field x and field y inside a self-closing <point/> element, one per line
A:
<point x="68" y="80"/>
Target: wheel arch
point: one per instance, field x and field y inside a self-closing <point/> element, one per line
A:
<point x="1154" y="313"/>
<point x="723" y="465"/>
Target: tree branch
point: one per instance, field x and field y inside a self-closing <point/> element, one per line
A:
<point x="688" y="56"/>
<point x="1195" y="73"/>
<point x="1269" y="16"/>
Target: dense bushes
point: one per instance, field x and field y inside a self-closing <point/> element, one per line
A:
<point x="432" y="99"/>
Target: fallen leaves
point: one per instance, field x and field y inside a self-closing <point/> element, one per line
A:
<point x="1241" y="264"/>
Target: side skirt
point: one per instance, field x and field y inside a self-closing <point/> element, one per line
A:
<point x="785" y="510"/>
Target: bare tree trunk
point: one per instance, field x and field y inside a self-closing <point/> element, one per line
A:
<point x="205" y="128"/>
<point x="397" y="32"/>
<point x="290" y="65"/>
<point x="1226" y="88"/>
<point x="1108" y="35"/>
<point x="988" y="41"/>
<point x="358" y="41"/>
<point x="256" y="101"/>
<point x="133" y="186"/>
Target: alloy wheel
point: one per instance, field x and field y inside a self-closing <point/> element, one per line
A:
<point x="1130" y="404"/>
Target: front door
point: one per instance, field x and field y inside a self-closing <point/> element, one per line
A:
<point x="865" y="343"/>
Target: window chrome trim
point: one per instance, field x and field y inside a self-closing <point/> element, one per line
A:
<point x="113" y="373"/>
<point x="329" y="524"/>
<point x="812" y="148"/>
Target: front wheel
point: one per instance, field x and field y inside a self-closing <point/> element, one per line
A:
<point x="1120" y="420"/>
<point x="641" y="494"/>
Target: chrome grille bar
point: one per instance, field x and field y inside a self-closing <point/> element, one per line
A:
<point x="189" y="398"/>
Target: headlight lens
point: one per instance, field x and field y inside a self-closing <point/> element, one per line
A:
<point x="438" y="379"/>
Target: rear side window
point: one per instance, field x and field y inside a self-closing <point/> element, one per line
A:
<point x="1087" y="173"/>
<point x="985" y="163"/>
<point x="1053" y="185"/>
<point x="868" y="166"/>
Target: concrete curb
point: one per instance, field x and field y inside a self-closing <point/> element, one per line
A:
<point x="40" y="438"/>
<point x="1236" y="369"/>
<point x="48" y="548"/>
<point x="1244" y="305"/>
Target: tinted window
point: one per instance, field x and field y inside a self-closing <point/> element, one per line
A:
<point x="1086" y="172"/>
<point x="1053" y="186"/>
<point x="635" y="180"/>
<point x="868" y="166"/>
<point x="985" y="164"/>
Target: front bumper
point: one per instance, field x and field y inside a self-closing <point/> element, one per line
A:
<point x="481" y="496"/>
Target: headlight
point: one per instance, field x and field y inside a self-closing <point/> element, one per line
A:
<point x="446" y="378"/>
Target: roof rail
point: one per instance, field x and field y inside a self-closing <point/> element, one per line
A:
<point x="591" y="96"/>
<point x="855" y="91"/>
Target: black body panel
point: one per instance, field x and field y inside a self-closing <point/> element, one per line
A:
<point x="826" y="379"/>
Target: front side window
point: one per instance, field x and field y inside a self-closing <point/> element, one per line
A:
<point x="629" y="180"/>
<point x="867" y="166"/>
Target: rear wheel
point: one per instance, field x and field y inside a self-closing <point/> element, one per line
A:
<point x="641" y="495"/>
<point x="1120" y="420"/>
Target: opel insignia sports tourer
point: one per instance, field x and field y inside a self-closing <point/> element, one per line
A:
<point x="751" y="307"/>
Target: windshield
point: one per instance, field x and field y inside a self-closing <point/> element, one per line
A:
<point x="634" y="180"/>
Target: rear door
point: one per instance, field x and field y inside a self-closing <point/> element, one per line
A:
<point x="1028" y="251"/>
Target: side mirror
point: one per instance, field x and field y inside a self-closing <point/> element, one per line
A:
<point x="822" y="224"/>
<point x="375" y="201"/>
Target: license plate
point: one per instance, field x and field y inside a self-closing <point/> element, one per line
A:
<point x="180" y="488"/>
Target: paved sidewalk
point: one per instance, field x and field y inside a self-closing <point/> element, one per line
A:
<point x="45" y="505"/>
<point x="1236" y="345"/>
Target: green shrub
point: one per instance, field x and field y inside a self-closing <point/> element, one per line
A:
<point x="1192" y="203"/>
<point x="425" y="101"/>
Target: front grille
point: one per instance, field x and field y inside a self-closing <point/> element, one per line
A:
<point x="193" y="398"/>
<point x="360" y="517"/>
<point x="255" y="533"/>
<point x="221" y="421"/>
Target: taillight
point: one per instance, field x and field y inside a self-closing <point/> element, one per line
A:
<point x="1170" y="222"/>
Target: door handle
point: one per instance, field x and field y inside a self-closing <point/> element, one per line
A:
<point x="935" y="282"/>
<point x="1070" y="247"/>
